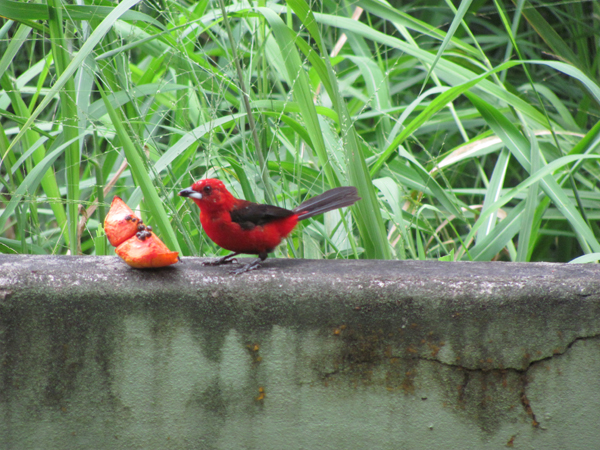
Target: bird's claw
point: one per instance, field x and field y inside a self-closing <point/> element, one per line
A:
<point x="246" y="268"/>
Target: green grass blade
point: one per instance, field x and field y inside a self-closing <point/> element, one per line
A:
<point x="27" y="12"/>
<point x="452" y="73"/>
<point x="434" y="107"/>
<point x="32" y="181"/>
<point x="16" y="42"/>
<point x="551" y="37"/>
<point x="585" y="259"/>
<point x="190" y="138"/>
<point x="531" y="203"/>
<point x="520" y="148"/>
<point x="493" y="192"/>
<point x="368" y="218"/>
<point x="296" y="77"/>
<point x="68" y="117"/>
<point x="456" y="21"/>
<point x="387" y="12"/>
<point x="492" y="244"/>
<point x="100" y="31"/>
<point x="592" y="87"/>
<point x="33" y="145"/>
<point x="559" y="198"/>
<point x="447" y="199"/>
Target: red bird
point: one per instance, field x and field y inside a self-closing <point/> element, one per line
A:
<point x="245" y="227"/>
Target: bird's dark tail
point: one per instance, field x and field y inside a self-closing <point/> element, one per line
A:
<point x="327" y="201"/>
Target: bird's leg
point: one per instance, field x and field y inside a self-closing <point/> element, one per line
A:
<point x="224" y="260"/>
<point x="251" y="266"/>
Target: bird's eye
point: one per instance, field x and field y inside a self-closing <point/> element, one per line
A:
<point x="207" y="190"/>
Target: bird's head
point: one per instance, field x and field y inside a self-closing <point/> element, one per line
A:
<point x="209" y="193"/>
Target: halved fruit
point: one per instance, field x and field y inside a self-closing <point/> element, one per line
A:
<point x="135" y="242"/>
<point x="120" y="223"/>
<point x="145" y="250"/>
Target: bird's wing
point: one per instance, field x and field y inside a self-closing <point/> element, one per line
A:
<point x="249" y="215"/>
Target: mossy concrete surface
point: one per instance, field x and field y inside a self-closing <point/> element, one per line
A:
<point x="300" y="354"/>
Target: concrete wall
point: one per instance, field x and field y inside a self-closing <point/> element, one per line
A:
<point x="298" y="355"/>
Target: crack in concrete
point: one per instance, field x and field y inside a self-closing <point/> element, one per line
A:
<point x="555" y="354"/>
<point x="349" y="365"/>
<point x="522" y="374"/>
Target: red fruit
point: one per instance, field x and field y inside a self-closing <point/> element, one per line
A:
<point x="120" y="223"/>
<point x="135" y="242"/>
<point x="145" y="252"/>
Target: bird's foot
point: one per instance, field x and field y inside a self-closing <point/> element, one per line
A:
<point x="247" y="267"/>
<point x="219" y="262"/>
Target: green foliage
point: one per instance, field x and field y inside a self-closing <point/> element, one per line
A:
<point x="471" y="131"/>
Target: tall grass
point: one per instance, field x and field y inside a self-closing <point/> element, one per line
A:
<point x="470" y="131"/>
